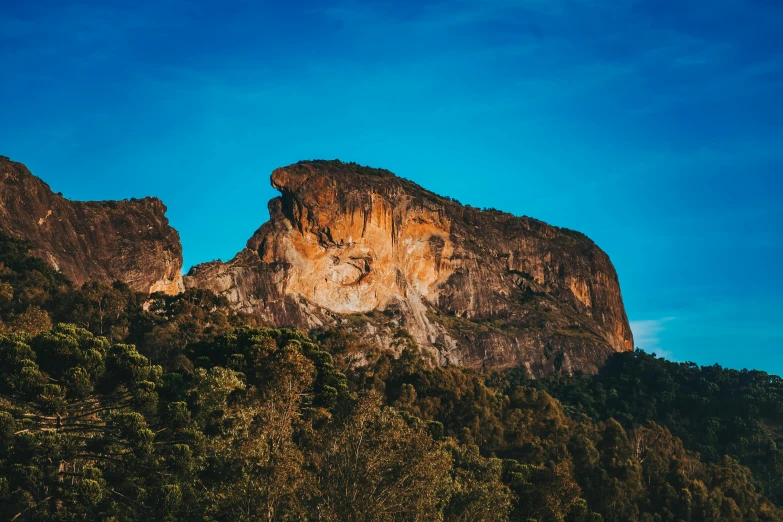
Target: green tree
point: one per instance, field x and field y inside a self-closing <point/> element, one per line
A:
<point x="377" y="467"/>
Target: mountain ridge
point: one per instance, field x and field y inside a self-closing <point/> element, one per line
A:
<point x="362" y="248"/>
<point x="471" y="287"/>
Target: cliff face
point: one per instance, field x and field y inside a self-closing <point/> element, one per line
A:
<point x="105" y="241"/>
<point x="363" y="248"/>
<point x="359" y="247"/>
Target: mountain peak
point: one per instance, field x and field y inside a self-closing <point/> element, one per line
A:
<point x="476" y="288"/>
<point x="105" y="241"/>
<point x="359" y="247"/>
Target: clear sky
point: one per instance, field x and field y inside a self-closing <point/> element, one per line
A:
<point x="653" y="126"/>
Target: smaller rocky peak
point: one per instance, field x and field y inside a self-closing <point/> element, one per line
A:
<point x="104" y="241"/>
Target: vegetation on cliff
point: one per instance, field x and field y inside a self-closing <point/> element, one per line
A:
<point x="116" y="405"/>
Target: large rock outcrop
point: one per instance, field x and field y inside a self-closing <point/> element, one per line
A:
<point x="104" y="241"/>
<point x="361" y="247"/>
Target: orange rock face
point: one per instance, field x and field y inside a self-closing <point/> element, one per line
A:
<point x="476" y="288"/>
<point x="358" y="260"/>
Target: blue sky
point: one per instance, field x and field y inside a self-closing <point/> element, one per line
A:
<point x="654" y="126"/>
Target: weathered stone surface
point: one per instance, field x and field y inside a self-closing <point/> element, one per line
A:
<point x="105" y="241"/>
<point x="361" y="247"/>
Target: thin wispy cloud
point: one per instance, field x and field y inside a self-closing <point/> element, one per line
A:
<point x="647" y="335"/>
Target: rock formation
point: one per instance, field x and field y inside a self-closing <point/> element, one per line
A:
<point x="105" y="241"/>
<point x="361" y="247"/>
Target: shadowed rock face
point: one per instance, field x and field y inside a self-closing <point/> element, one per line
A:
<point x="104" y="241"/>
<point x="361" y="247"/>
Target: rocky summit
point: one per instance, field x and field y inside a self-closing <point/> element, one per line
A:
<point x="105" y="241"/>
<point x="365" y="250"/>
<point x="362" y="248"/>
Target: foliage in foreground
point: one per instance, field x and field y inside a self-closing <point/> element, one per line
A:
<point x="167" y="408"/>
<point x="91" y="430"/>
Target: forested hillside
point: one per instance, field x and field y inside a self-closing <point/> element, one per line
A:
<point x="115" y="405"/>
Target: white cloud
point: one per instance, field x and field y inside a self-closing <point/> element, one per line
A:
<point x="647" y="335"/>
